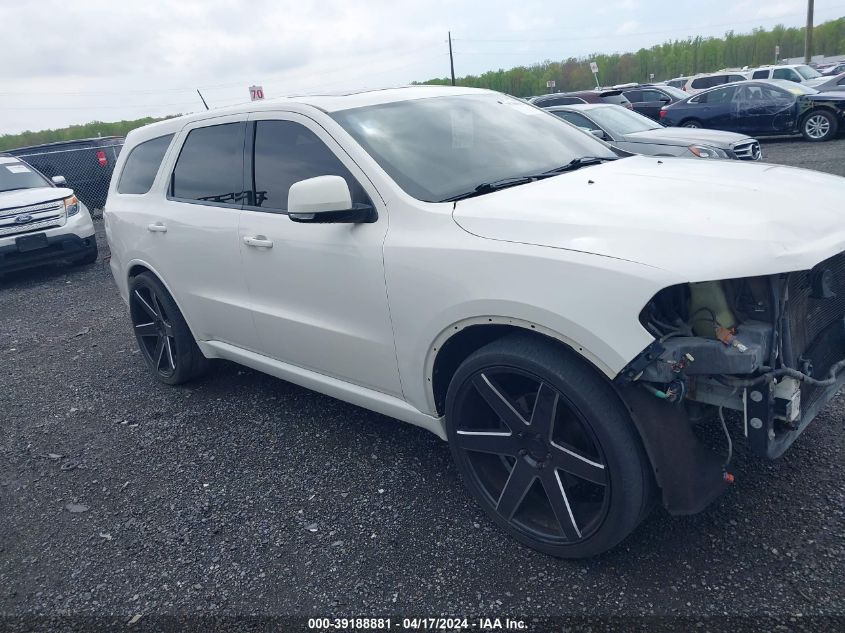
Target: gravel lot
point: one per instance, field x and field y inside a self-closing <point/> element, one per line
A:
<point x="246" y="495"/>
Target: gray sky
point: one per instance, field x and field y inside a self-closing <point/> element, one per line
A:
<point x="74" y="61"/>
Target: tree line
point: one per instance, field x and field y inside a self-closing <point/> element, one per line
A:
<point x="88" y="130"/>
<point x="664" y="61"/>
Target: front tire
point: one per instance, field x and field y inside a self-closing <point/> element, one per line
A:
<point x="546" y="447"/>
<point x="818" y="126"/>
<point x="166" y="342"/>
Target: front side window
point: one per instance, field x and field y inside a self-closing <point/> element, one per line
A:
<point x="760" y="74"/>
<point x="210" y="166"/>
<point x="440" y="147"/>
<point x="287" y="152"/>
<point x="141" y="167"/>
<point x="786" y="73"/>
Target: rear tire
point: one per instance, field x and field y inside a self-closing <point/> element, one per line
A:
<point x="546" y="447"/>
<point x="692" y="123"/>
<point x="818" y="126"/>
<point x="163" y="336"/>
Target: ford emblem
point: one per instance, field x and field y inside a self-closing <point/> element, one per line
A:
<point x="23" y="219"/>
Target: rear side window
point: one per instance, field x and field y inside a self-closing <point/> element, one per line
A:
<point x="287" y="152"/>
<point x="577" y="119"/>
<point x="141" y="167"/>
<point x="760" y="74"/>
<point x="703" y="82"/>
<point x="634" y="96"/>
<point x="210" y="167"/>
<point x="556" y="101"/>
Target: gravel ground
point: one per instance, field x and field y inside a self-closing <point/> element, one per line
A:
<point x="245" y="495"/>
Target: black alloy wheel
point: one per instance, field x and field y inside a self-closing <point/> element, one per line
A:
<point x="561" y="469"/>
<point x="166" y="342"/>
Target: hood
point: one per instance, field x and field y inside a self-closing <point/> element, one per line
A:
<point x="699" y="220"/>
<point x="817" y="81"/>
<point x="36" y="195"/>
<point x="687" y="136"/>
<point x="827" y="96"/>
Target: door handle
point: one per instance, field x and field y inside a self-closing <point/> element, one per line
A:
<point x="259" y="241"/>
<point x="157" y="227"/>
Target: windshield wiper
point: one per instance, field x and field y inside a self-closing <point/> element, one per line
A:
<point x="504" y="183"/>
<point x="488" y="187"/>
<point x="577" y="163"/>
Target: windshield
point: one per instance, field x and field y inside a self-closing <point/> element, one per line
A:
<point x="15" y="174"/>
<point x="441" y="147"/>
<point x="619" y="120"/>
<point x="807" y="72"/>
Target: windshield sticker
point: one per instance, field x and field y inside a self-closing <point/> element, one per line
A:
<point x="462" y="130"/>
<point x="18" y="169"/>
<point x="5" y="160"/>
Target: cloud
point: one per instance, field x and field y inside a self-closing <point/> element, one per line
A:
<point x="625" y="28"/>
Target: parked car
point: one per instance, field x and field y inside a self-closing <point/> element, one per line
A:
<point x="532" y="302"/>
<point x="41" y="221"/>
<point x="833" y="69"/>
<point x="774" y="106"/>
<point x="632" y="132"/>
<point x="648" y="99"/>
<point x="799" y="73"/>
<point x="583" y="96"/>
<point x="698" y="83"/>
<point x="834" y="83"/>
<point x="87" y="164"/>
<point x="677" y="82"/>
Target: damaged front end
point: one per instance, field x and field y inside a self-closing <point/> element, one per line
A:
<point x="771" y="348"/>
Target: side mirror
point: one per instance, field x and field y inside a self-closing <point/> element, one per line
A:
<point x="325" y="200"/>
<point x="59" y="180"/>
<point x="599" y="134"/>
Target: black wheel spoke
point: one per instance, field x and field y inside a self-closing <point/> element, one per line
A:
<point x="499" y="402"/>
<point x="517" y="486"/>
<point x="573" y="462"/>
<point x="556" y="493"/>
<point x="495" y="442"/>
<point x="169" y="346"/>
<point x="146" y="329"/>
<point x="158" y="353"/>
<point x="145" y="305"/>
<point x="545" y="410"/>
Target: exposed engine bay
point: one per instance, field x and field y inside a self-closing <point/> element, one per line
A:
<point x="770" y="347"/>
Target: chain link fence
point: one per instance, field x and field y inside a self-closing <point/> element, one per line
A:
<point x="87" y="170"/>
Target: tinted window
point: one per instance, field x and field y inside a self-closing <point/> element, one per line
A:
<point x="635" y="96"/>
<point x="786" y="73"/>
<point x="577" y="119"/>
<point x="841" y="82"/>
<point x="210" y="165"/>
<point x="287" y="152"/>
<point x="702" y="82"/>
<point x="617" y="99"/>
<point x="654" y="95"/>
<point x="723" y="95"/>
<point x="732" y="78"/>
<point x="760" y="74"/>
<point x="141" y="167"/>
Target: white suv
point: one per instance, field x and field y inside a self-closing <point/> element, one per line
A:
<point x="466" y="262"/>
<point x="799" y="73"/>
<point x="40" y="220"/>
<point x="696" y="84"/>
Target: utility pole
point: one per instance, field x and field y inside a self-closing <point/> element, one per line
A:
<point x="451" y="58"/>
<point x="808" y="33"/>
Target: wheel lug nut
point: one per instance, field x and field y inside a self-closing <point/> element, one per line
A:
<point x="523" y="452"/>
